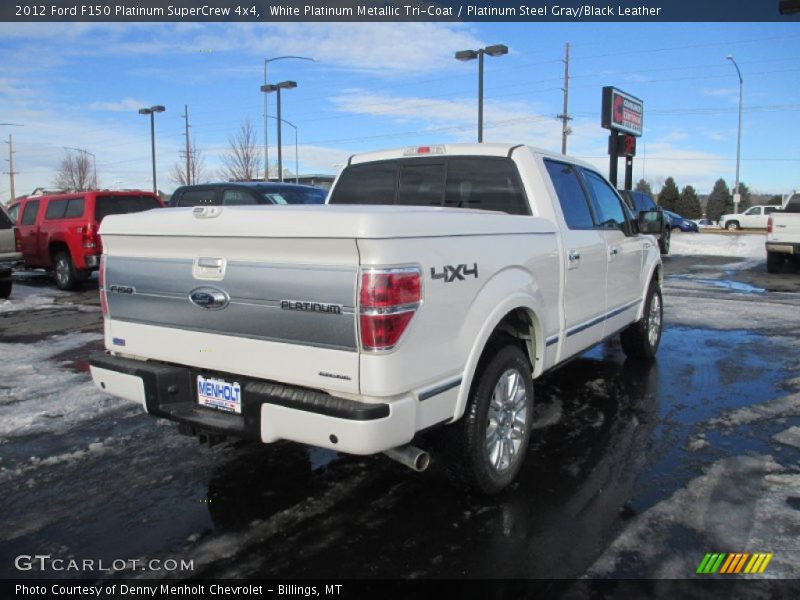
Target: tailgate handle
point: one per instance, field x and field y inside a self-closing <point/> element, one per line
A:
<point x="209" y="263"/>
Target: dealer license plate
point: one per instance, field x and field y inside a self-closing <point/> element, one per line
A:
<point x="219" y="394"/>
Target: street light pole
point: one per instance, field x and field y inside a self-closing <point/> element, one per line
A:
<point x="465" y="55"/>
<point x="266" y="108"/>
<point x="267" y="88"/>
<point x="736" y="195"/>
<point x="152" y="111"/>
<point x="296" y="153"/>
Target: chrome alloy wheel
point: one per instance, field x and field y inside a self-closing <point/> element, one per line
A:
<point x="62" y="271"/>
<point x="508" y="412"/>
<point x="654" y="320"/>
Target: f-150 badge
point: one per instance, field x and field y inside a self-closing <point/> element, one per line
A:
<point x="450" y="273"/>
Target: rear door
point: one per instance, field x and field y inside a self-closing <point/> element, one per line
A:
<point x="585" y="266"/>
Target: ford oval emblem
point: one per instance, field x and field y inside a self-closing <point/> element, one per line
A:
<point x="209" y="298"/>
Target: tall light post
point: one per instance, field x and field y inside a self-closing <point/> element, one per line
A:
<point x="94" y="160"/>
<point x="152" y="112"/>
<point x="296" y="154"/>
<point x="277" y="87"/>
<point x="736" y="195"/>
<point x="266" y="107"/>
<point x="465" y="55"/>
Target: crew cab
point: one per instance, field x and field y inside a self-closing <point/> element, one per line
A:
<point x="783" y="235"/>
<point x="59" y="232"/>
<point x="426" y="296"/>
<point x="755" y="217"/>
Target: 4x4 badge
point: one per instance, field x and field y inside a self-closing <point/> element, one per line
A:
<point x="450" y="273"/>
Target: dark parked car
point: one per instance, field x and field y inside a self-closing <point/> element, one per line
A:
<point x="678" y="222"/>
<point x="243" y="193"/>
<point x="642" y="201"/>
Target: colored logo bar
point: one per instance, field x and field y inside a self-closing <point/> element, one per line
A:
<point x="733" y="563"/>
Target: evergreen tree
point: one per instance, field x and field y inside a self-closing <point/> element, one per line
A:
<point x="720" y="201"/>
<point x="643" y="186"/>
<point x="689" y="204"/>
<point x="668" y="196"/>
<point x="744" y="200"/>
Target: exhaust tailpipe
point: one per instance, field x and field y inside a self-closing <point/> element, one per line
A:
<point x="410" y="456"/>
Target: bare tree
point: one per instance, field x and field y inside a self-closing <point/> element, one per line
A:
<point x="197" y="168"/>
<point x="76" y="172"/>
<point x="243" y="160"/>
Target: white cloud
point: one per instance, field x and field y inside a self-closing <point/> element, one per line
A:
<point x="716" y="92"/>
<point x="126" y="105"/>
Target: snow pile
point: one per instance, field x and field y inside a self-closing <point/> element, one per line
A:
<point x="717" y="244"/>
<point x="738" y="505"/>
<point x="38" y="396"/>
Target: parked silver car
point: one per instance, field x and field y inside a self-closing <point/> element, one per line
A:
<point x="9" y="253"/>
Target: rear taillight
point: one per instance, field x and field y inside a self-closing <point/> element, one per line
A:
<point x="387" y="302"/>
<point x="90" y="236"/>
<point x="102" y="285"/>
<point x="17" y="240"/>
<point x="769" y="225"/>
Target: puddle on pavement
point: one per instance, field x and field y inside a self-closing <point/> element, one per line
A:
<point x="728" y="284"/>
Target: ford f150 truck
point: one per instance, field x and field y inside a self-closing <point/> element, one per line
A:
<point x="433" y="287"/>
<point x="783" y="235"/>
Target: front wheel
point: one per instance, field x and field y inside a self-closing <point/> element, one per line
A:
<point x="641" y="339"/>
<point x="488" y="445"/>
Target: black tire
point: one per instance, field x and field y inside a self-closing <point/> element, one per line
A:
<point x="64" y="271"/>
<point x="774" y="262"/>
<point x="664" y="240"/>
<point x="732" y="226"/>
<point x="5" y="288"/>
<point x="636" y="339"/>
<point x="470" y="461"/>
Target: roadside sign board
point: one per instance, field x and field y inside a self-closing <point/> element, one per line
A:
<point x="622" y="112"/>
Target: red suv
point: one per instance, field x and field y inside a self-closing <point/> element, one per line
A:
<point x="60" y="232"/>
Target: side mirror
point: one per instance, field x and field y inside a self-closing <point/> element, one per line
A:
<point x="651" y="221"/>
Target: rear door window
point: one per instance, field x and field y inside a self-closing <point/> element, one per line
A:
<point x="29" y="213"/>
<point x="75" y="208"/>
<point x="55" y="209"/>
<point x="571" y="195"/>
<point x="119" y="205"/>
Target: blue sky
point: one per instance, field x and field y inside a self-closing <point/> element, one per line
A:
<point x="395" y="84"/>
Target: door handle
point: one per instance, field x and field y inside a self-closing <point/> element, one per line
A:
<point x="574" y="256"/>
<point x="614" y="251"/>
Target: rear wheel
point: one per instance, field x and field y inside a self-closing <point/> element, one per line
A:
<point x="641" y="339"/>
<point x="774" y="262"/>
<point x="732" y="226"/>
<point x="488" y="445"/>
<point x="66" y="275"/>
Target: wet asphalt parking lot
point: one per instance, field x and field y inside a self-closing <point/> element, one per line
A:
<point x="634" y="470"/>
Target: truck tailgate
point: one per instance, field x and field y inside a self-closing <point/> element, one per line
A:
<point x="275" y="308"/>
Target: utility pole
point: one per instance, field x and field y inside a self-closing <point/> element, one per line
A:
<point x="188" y="155"/>
<point x="11" y="172"/>
<point x="564" y="116"/>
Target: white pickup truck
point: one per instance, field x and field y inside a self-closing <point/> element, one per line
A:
<point x="783" y="235"/>
<point x="755" y="217"/>
<point x="436" y="283"/>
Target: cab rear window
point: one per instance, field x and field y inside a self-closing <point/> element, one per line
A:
<point x="485" y="183"/>
<point x="119" y="205"/>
